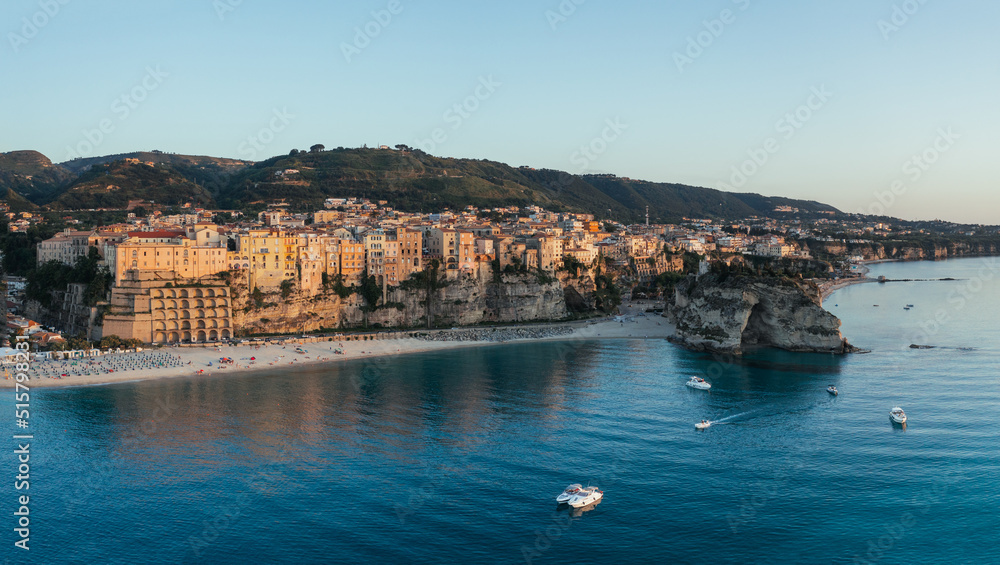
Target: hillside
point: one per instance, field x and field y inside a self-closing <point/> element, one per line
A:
<point x="213" y="173"/>
<point x="414" y="180"/>
<point x="407" y="179"/>
<point x="32" y="175"/>
<point x="112" y="185"/>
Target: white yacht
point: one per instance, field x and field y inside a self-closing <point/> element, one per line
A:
<point x="568" y="493"/>
<point x="585" y="496"/>
<point x="897" y="415"/>
<point x="702" y="425"/>
<point x="832" y="390"/>
<point x="698" y="383"/>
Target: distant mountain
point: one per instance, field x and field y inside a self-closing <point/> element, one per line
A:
<point x="407" y="179"/>
<point x="112" y="185"/>
<point x="32" y="175"/>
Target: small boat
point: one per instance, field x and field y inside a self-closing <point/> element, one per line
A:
<point x="832" y="390"/>
<point x="702" y="425"/>
<point x="909" y="306"/>
<point x="567" y="494"/>
<point x="698" y="383"/>
<point x="897" y="415"/>
<point x="906" y="307"/>
<point x="585" y="496"/>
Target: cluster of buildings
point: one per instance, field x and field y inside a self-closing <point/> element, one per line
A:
<point x="164" y="265"/>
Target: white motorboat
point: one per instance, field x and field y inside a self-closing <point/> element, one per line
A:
<point x="832" y="390"/>
<point x="567" y="494"/>
<point x="702" y="425"/>
<point x="585" y="496"/>
<point x="698" y="383"/>
<point x="897" y="415"/>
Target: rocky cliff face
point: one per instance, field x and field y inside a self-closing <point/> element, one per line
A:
<point x="737" y="313"/>
<point x="901" y="251"/>
<point x="466" y="300"/>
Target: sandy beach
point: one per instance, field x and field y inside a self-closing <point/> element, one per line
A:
<point x="172" y="362"/>
<point x="827" y="288"/>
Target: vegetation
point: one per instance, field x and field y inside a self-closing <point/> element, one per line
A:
<point x="287" y="288"/>
<point x="54" y="276"/>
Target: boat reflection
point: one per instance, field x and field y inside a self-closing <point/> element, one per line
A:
<point x="577" y="512"/>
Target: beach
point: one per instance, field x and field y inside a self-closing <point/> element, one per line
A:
<point x="173" y="362"/>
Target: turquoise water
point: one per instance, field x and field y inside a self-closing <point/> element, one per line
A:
<point x="457" y="456"/>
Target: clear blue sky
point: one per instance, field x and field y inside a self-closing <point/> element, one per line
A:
<point x="230" y="68"/>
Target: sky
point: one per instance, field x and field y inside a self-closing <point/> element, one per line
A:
<point x="874" y="106"/>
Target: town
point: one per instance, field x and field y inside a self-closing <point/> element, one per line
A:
<point x="167" y="275"/>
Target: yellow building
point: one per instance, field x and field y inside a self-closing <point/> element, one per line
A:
<point x="194" y="254"/>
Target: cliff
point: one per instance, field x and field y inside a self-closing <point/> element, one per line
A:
<point x="901" y="250"/>
<point x="463" y="300"/>
<point x="732" y="314"/>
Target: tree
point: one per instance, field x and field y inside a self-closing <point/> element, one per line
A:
<point x="287" y="287"/>
<point x="371" y="292"/>
<point x="317" y="148"/>
<point x="293" y="152"/>
<point x="110" y="342"/>
<point x="78" y="342"/>
<point x="691" y="262"/>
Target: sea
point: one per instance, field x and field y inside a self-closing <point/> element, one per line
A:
<point x="457" y="456"/>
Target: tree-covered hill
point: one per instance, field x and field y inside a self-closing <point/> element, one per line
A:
<point x="407" y="179"/>
<point x="112" y="185"/>
<point x="32" y="175"/>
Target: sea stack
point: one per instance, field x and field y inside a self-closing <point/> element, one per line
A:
<point x="730" y="314"/>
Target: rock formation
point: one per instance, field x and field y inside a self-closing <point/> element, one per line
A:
<point x="732" y="314"/>
<point x="464" y="300"/>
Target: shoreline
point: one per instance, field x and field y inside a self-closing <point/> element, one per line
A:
<point x="826" y="289"/>
<point x="194" y="361"/>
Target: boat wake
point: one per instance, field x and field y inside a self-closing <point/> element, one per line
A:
<point x="728" y="418"/>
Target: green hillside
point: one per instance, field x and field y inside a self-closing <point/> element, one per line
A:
<point x="32" y="175"/>
<point x="112" y="185"/>
<point x="213" y="173"/>
<point x="407" y="179"/>
<point x="414" y="180"/>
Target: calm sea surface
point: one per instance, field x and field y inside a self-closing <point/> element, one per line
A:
<point x="457" y="456"/>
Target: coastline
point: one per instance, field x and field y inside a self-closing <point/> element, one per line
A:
<point x="828" y="288"/>
<point x="633" y="324"/>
